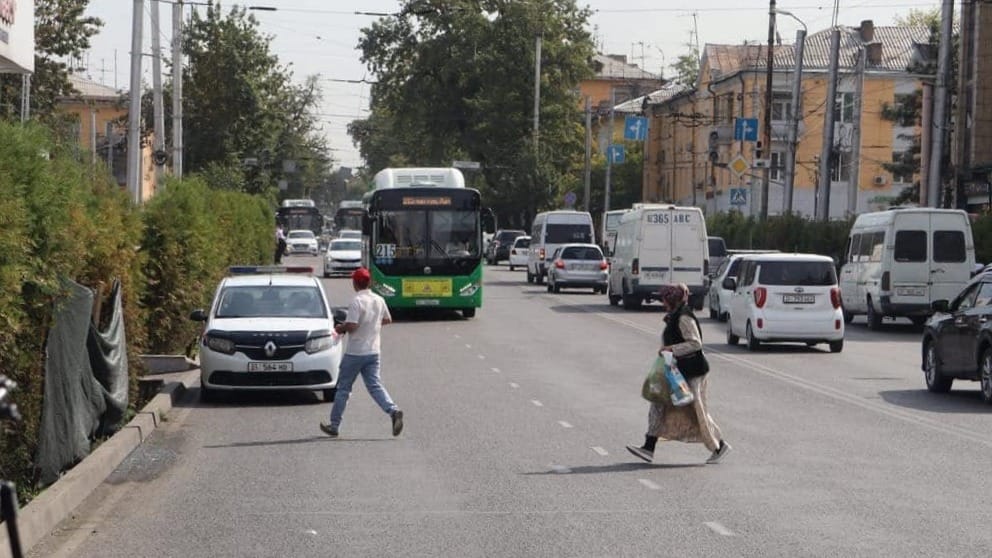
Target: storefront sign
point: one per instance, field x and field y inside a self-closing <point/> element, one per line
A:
<point x="17" y="36"/>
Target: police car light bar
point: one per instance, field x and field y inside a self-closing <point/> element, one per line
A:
<point x="263" y="269"/>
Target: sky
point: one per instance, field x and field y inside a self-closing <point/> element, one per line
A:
<point x="318" y="37"/>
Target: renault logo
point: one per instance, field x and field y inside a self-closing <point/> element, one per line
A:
<point x="270" y="349"/>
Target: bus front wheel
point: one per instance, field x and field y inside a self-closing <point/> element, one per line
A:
<point x="468" y="312"/>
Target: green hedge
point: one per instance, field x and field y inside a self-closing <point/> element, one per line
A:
<point x="787" y="233"/>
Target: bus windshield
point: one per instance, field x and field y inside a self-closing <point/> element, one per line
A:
<point x="429" y="235"/>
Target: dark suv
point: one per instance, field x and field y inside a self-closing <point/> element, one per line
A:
<point x="499" y="246"/>
<point x="957" y="341"/>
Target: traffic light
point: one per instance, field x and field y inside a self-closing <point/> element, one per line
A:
<point x="714" y="152"/>
<point x="758" y="152"/>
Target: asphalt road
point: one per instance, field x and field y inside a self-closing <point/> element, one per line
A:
<point x="516" y="423"/>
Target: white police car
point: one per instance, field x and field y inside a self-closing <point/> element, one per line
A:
<point x="269" y="328"/>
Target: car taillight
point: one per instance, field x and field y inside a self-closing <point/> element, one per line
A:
<point x="886" y="281"/>
<point x="706" y="268"/>
<point x="540" y="253"/>
<point x="560" y="264"/>
<point x="635" y="266"/>
<point x="603" y="265"/>
<point x="760" y="297"/>
<point x="835" y="297"/>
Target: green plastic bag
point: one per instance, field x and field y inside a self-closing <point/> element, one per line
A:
<point x="655" y="388"/>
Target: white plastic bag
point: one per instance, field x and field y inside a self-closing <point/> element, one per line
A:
<point x="681" y="393"/>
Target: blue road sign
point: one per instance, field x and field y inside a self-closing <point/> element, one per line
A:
<point x="745" y="129"/>
<point x="738" y="196"/>
<point x="635" y="128"/>
<point x="570" y="199"/>
<point x="615" y="154"/>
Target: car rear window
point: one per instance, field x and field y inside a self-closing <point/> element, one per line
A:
<point x="948" y="247"/>
<point x="581" y="253"/>
<point x="509" y="235"/>
<point x="813" y="274"/>
<point x="717" y="247"/>
<point x="522" y="243"/>
<point x="346" y="245"/>
<point x="911" y="246"/>
<point x="562" y="233"/>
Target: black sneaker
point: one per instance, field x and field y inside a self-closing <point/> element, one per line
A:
<point x="397" y="417"/>
<point x="717" y="455"/>
<point x="329" y="429"/>
<point x="643" y="453"/>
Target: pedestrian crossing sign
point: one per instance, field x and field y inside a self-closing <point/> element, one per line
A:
<point x="738" y="196"/>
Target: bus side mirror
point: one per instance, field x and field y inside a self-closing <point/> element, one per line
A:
<point x="366" y="225"/>
<point x="488" y="221"/>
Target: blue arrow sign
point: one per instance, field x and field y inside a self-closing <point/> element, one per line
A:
<point x="745" y="129"/>
<point x="635" y="128"/>
<point x="738" y="196"/>
<point x="615" y="154"/>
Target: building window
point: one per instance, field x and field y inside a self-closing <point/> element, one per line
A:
<point x="730" y="109"/>
<point x="781" y="107"/>
<point x="841" y="171"/>
<point x="902" y="167"/>
<point x="844" y="108"/>
<point x="776" y="167"/>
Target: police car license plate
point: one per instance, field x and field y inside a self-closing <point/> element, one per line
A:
<point x="799" y="299"/>
<point x="270" y="366"/>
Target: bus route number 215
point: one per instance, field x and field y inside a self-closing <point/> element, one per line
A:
<point x="385" y="251"/>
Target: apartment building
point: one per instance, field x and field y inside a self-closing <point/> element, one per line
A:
<point x="972" y="144"/>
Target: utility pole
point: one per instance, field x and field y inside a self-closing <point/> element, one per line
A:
<point x="854" y="174"/>
<point x="609" y="153"/>
<point x="177" y="89"/>
<point x="769" y="73"/>
<point x="537" y="93"/>
<point x="926" y="133"/>
<point x="939" y="130"/>
<point x="797" y="115"/>
<point x="588" y="161"/>
<point x="158" y="107"/>
<point x="134" y="108"/>
<point x="826" y="152"/>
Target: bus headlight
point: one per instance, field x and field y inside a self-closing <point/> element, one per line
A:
<point x="469" y="290"/>
<point x="384" y="289"/>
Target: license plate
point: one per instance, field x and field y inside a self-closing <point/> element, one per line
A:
<point x="428" y="302"/>
<point x="799" y="299"/>
<point x="911" y="291"/>
<point x="270" y="366"/>
<point x="427" y="287"/>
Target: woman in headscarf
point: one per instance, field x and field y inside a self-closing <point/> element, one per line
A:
<point x="691" y="423"/>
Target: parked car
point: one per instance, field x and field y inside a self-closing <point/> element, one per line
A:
<point x="302" y="241"/>
<point x="718" y="252"/>
<point x="957" y="341"/>
<point x="269" y="328"/>
<point x="577" y="266"/>
<point x="519" y="252"/>
<point x="900" y="261"/>
<point x="343" y="256"/>
<point x="785" y="298"/>
<point x="498" y="248"/>
<point x="719" y="297"/>
<point x="549" y="231"/>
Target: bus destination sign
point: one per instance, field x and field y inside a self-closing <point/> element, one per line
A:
<point x="433" y="201"/>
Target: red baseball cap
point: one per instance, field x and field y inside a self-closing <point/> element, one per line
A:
<point x="361" y="274"/>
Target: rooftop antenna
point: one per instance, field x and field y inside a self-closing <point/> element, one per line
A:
<point x="833" y="23"/>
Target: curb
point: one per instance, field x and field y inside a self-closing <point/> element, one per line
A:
<point x="57" y="502"/>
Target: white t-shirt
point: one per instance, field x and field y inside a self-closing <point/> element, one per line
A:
<point x="367" y="310"/>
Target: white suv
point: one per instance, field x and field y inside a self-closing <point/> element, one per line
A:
<point x="269" y="328"/>
<point x="783" y="298"/>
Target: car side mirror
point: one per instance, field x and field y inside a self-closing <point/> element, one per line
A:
<point x="198" y="315"/>
<point x="730" y="284"/>
<point x="488" y="220"/>
<point x="941" y="306"/>
<point x="340" y="316"/>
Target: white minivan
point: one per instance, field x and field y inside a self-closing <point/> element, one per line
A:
<point x="785" y="298"/>
<point x="550" y="231"/>
<point x="900" y="261"/>
<point x="659" y="244"/>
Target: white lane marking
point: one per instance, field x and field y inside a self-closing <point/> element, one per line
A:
<point x="537" y="403"/>
<point x="564" y="424"/>
<point x="482" y="357"/>
<point x="600" y="451"/>
<point x="719" y="529"/>
<point x="649" y="484"/>
<point x="826" y="391"/>
<point x="514" y="385"/>
<point x="457" y="336"/>
<point x="310" y="532"/>
<point x="560" y="469"/>
<point x="496" y="370"/>
<point x="467" y="346"/>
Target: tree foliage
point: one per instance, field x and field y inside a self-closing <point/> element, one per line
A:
<point x="61" y="31"/>
<point x="455" y="82"/>
<point x="686" y="67"/>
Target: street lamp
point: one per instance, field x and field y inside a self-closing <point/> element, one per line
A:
<point x="793" y="125"/>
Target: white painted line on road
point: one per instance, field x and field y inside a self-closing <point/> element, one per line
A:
<point x="564" y="424"/>
<point x="482" y="357"/>
<point x="310" y="532"/>
<point x="649" y="484"/>
<point x="719" y="529"/>
<point x="560" y="469"/>
<point x="600" y="451"/>
<point x="457" y="336"/>
<point x="496" y="370"/>
<point x="537" y="403"/>
<point x="467" y="346"/>
<point x="514" y="385"/>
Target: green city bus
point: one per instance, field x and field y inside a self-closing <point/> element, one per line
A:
<point x="423" y="239"/>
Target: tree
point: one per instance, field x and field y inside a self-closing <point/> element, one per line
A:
<point x="246" y="122"/>
<point x="455" y="81"/>
<point x="929" y="18"/>
<point x="686" y="67"/>
<point x="61" y="32"/>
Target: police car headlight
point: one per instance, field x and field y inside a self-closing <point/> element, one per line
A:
<point x="469" y="290"/>
<point x="384" y="289"/>
<point x="220" y="345"/>
<point x="317" y="344"/>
